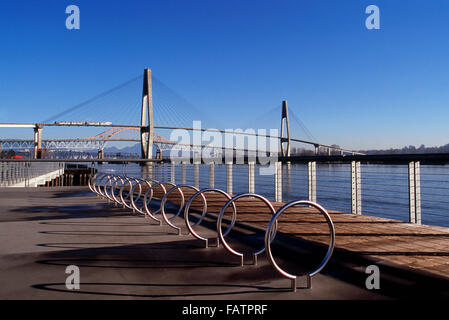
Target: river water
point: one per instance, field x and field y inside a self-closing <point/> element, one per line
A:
<point x="384" y="187"/>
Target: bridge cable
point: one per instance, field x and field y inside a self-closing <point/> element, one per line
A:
<point x="302" y="126"/>
<point x="96" y="97"/>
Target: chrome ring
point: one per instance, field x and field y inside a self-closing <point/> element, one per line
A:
<point x="146" y="200"/>
<point x="114" y="188"/>
<point x="164" y="200"/>
<point x="134" y="201"/>
<point x="105" y="184"/>
<point x="187" y="207"/>
<point x="94" y="182"/>
<point x="97" y="183"/>
<point x="112" y="181"/>
<point x="274" y="221"/>
<point x="89" y="181"/>
<point x="220" y="219"/>
<point x="124" y="199"/>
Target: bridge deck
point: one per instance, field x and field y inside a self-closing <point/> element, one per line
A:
<point x="121" y="255"/>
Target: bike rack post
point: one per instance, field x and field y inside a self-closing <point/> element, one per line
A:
<point x="268" y="240"/>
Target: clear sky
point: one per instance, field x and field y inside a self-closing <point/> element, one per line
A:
<point x="235" y="59"/>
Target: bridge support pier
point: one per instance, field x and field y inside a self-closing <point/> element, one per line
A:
<point x="317" y="149"/>
<point x="37" y="141"/>
<point x="146" y="120"/>
<point x="285" y="152"/>
<point x="147" y="171"/>
<point x="100" y="156"/>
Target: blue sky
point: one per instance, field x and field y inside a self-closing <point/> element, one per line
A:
<point x="233" y="60"/>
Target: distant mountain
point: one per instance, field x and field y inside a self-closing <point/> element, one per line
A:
<point x="131" y="149"/>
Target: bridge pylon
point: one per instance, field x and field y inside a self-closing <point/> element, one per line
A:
<point x="146" y="120"/>
<point x="285" y="152"/>
<point x="37" y="142"/>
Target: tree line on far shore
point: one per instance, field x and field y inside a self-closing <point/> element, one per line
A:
<point x="405" y="150"/>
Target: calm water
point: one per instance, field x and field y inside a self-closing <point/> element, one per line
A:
<point x="384" y="187"/>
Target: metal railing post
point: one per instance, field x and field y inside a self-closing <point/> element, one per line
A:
<point x="251" y="186"/>
<point x="183" y="176"/>
<point x="27" y="174"/>
<point x="9" y="174"/>
<point x="196" y="169"/>
<point x="229" y="177"/>
<point x="356" y="188"/>
<point x="211" y="175"/>
<point x="418" y="191"/>
<point x="172" y="175"/>
<point x="278" y="181"/>
<point x="414" y="187"/>
<point x="312" y="180"/>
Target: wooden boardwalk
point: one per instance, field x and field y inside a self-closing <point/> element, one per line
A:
<point x="385" y="241"/>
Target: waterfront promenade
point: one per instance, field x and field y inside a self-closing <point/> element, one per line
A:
<point x="122" y="256"/>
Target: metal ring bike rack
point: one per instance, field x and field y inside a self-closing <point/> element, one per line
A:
<point x="134" y="201"/>
<point x="326" y="258"/>
<point x="96" y="184"/>
<point x="107" y="184"/>
<point x="220" y="221"/>
<point x="132" y="183"/>
<point x="129" y="183"/>
<point x="187" y="210"/>
<point x="90" y="181"/>
<point x="100" y="183"/>
<point x="93" y="182"/>
<point x="164" y="201"/>
<point x="113" y="187"/>
<point x="146" y="200"/>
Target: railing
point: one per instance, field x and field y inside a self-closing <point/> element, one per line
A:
<point x="409" y="188"/>
<point x="27" y="174"/>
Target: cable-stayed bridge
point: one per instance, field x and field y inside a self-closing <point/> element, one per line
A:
<point x="152" y="115"/>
